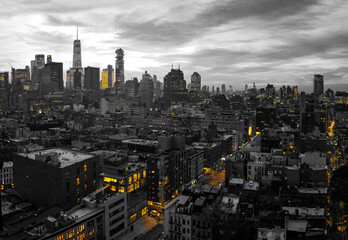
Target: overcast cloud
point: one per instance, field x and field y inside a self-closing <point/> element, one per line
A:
<point x="226" y="41"/>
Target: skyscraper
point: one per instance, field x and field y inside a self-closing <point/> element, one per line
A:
<point x="223" y="88"/>
<point x="22" y="77"/>
<point x="49" y="58"/>
<point x="4" y="83"/>
<point x="175" y="90"/>
<point x="318" y="85"/>
<point x="195" y="82"/>
<point x="91" y="78"/>
<point x="52" y="78"/>
<point x="75" y="74"/>
<point x="146" y="90"/>
<point x="36" y="66"/>
<point x="119" y="69"/>
<point x="108" y="77"/>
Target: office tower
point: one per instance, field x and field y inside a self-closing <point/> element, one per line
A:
<point x="246" y="88"/>
<point x="270" y="90"/>
<point x="204" y="88"/>
<point x="4" y="87"/>
<point x="75" y="74"/>
<point x="223" y="88"/>
<point x="318" y="85"/>
<point x="195" y="82"/>
<point x="107" y="77"/>
<point x="132" y="87"/>
<point x="4" y="83"/>
<point x="22" y="78"/>
<point x="212" y="90"/>
<point x="230" y="88"/>
<point x="52" y="78"/>
<point x="175" y="90"/>
<point x="146" y="90"/>
<point x="295" y="92"/>
<point x="254" y="86"/>
<point x="36" y="66"/>
<point x="49" y="58"/>
<point x="62" y="176"/>
<point x="217" y="90"/>
<point x="91" y="78"/>
<point x="157" y="87"/>
<point x="119" y="69"/>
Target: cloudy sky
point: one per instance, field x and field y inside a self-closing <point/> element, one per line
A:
<point x="226" y="41"/>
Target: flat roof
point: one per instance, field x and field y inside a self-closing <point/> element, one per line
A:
<point x="64" y="157"/>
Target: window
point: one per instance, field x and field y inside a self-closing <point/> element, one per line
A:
<point x="143" y="211"/>
<point x="117" y="229"/>
<point x="121" y="189"/>
<point x="130" y="180"/>
<point x="91" y="232"/>
<point x="77" y="181"/>
<point x="118" y="202"/>
<point x="116" y="212"/>
<point x="90" y="224"/>
<point x="85" y="177"/>
<point x="70" y="234"/>
<point x="130" y="188"/>
<point x="139" y="176"/>
<point x="85" y="167"/>
<point x="79" y="229"/>
<point x="136" y="185"/>
<point x="116" y="220"/>
<point x="133" y="217"/>
<point x="113" y="188"/>
<point x="144" y="174"/>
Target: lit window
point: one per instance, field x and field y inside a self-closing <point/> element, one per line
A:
<point x="91" y="232"/>
<point x="77" y="181"/>
<point x="113" y="188"/>
<point x="130" y="180"/>
<point x="143" y="211"/>
<point x="130" y="188"/>
<point x="144" y="174"/>
<point x="136" y="185"/>
<point x="135" y="177"/>
<point x="133" y="217"/>
<point x="139" y="176"/>
<point x="80" y="229"/>
<point x="85" y="167"/>
<point x="121" y="189"/>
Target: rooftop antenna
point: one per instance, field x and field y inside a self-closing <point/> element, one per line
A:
<point x="77" y="32"/>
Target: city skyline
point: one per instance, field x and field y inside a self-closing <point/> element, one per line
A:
<point x="226" y="42"/>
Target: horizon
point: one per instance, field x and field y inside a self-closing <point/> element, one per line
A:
<point x="227" y="42"/>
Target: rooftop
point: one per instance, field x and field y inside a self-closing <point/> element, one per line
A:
<point x="57" y="157"/>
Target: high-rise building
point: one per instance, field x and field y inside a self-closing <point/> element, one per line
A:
<point x="75" y="74"/>
<point x="91" y="77"/>
<point x="4" y="83"/>
<point x="146" y="90"/>
<point x="195" y="82"/>
<point x="36" y="66"/>
<point x="49" y="58"/>
<point x="132" y="87"/>
<point x="119" y="69"/>
<point x="22" y="77"/>
<point x="107" y="77"/>
<point x="51" y="78"/>
<point x="157" y="87"/>
<point x="246" y="88"/>
<point x="175" y="90"/>
<point x="318" y="85"/>
<point x="223" y="88"/>
<point x="230" y="89"/>
<point x="217" y="90"/>
<point x="213" y="90"/>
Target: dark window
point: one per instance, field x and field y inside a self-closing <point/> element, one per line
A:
<point x="116" y="203"/>
<point x="99" y="219"/>
<point x="117" y="229"/>
<point x="116" y="220"/>
<point x="116" y="212"/>
<point x="90" y="224"/>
